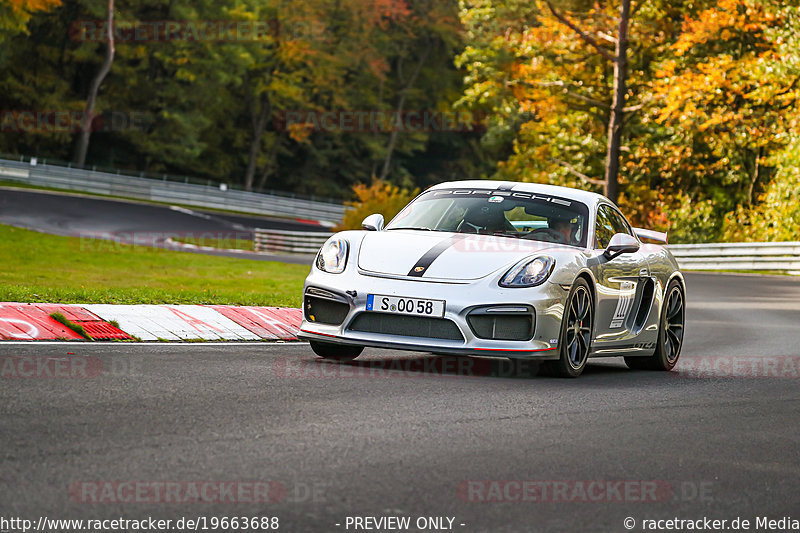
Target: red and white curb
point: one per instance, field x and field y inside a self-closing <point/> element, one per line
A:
<point x="19" y="321"/>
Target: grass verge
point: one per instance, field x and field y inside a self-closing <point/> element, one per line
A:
<point x="48" y="268"/>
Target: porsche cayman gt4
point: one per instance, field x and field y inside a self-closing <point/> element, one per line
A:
<point x="504" y="269"/>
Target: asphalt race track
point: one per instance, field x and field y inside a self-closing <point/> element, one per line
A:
<point x="391" y="436"/>
<point x="130" y="221"/>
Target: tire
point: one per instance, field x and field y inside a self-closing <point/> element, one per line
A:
<point x="575" y="339"/>
<point x="336" y="352"/>
<point x="670" y="333"/>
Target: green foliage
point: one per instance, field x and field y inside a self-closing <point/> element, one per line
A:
<point x="708" y="141"/>
<point x="694" y="221"/>
<point x="776" y="216"/>
<point x="199" y="104"/>
<point x="15" y="14"/>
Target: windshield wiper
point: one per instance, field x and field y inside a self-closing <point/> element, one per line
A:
<point x="411" y="227"/>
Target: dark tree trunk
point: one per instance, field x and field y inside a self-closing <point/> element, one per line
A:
<point x="401" y="103"/>
<point x="88" y="118"/>
<point x="611" y="188"/>
<point x="259" y="127"/>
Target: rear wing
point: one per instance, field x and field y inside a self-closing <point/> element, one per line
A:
<point x="650" y="236"/>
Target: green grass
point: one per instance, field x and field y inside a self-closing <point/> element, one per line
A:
<point x="77" y="328"/>
<point x="213" y="242"/>
<point x="45" y="268"/>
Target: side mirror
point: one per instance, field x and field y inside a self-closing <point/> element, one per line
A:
<point x="373" y="222"/>
<point x="621" y="243"/>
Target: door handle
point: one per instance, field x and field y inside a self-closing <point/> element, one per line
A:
<point x="643" y="273"/>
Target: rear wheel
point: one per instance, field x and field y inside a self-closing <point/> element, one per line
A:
<point x="575" y="340"/>
<point x="336" y="352"/>
<point x="670" y="333"/>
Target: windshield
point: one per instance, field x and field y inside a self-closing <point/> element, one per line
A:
<point x="507" y="213"/>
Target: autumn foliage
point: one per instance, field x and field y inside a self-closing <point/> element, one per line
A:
<point x="712" y="107"/>
<point x="18" y="12"/>
<point x="378" y="197"/>
<point x="710" y="127"/>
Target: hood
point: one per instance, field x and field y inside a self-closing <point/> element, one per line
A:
<point x="452" y="256"/>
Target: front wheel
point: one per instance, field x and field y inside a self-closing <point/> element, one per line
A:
<point x="670" y="333"/>
<point x="336" y="352"/>
<point x="575" y="340"/>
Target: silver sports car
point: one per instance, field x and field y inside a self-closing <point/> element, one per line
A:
<point x="501" y="269"/>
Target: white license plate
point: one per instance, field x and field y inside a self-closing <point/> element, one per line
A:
<point x="404" y="306"/>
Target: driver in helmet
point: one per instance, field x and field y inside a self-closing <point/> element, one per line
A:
<point x="563" y="226"/>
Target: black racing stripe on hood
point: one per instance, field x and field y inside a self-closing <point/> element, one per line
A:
<point x="427" y="259"/>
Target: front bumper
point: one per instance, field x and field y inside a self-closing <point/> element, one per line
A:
<point x="353" y="286"/>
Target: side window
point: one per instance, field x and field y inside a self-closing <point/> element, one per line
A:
<point x="618" y="221"/>
<point x="604" y="228"/>
<point x="609" y="223"/>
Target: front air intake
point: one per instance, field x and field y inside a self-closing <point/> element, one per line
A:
<point x="502" y="324"/>
<point x="406" y="326"/>
<point x="324" y="307"/>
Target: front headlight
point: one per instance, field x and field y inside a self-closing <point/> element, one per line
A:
<point x="528" y="272"/>
<point x="332" y="258"/>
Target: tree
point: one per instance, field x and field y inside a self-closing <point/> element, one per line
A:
<point x="775" y="214"/>
<point x="567" y="106"/>
<point x="88" y="114"/>
<point x="724" y="104"/>
<point x="620" y="78"/>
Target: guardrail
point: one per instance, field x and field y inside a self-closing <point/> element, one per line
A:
<point x="760" y="256"/>
<point x="288" y="242"/>
<point x="214" y="197"/>
<point x="778" y="256"/>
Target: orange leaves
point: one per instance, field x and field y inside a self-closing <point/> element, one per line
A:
<point x="379" y="13"/>
<point x="724" y="53"/>
<point x="21" y="11"/>
<point x="724" y="22"/>
<point x="666" y="69"/>
<point x="391" y="9"/>
<point x="379" y="197"/>
<point x="31" y="6"/>
<point x="300" y="132"/>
